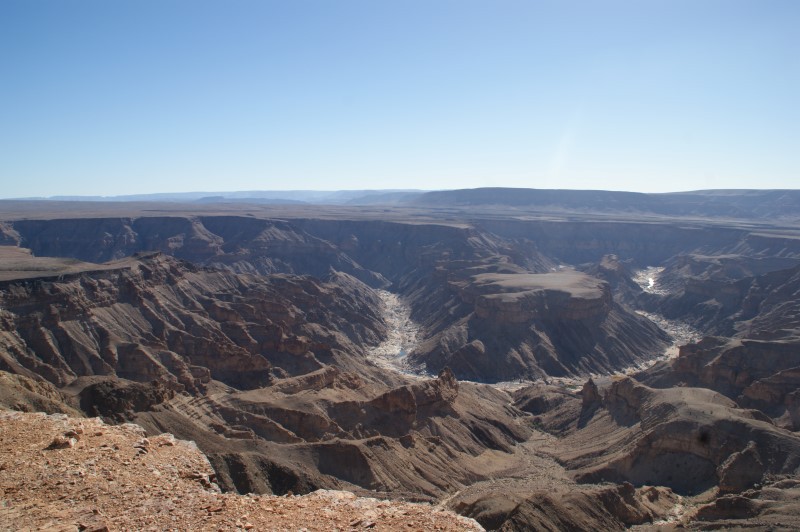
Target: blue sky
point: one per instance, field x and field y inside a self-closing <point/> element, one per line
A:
<point x="124" y="97"/>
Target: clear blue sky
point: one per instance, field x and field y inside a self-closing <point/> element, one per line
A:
<point x="119" y="97"/>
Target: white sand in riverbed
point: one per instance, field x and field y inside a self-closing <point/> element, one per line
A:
<point x="403" y="336"/>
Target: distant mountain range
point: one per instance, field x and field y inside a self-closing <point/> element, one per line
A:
<point x="747" y="204"/>
<point x="328" y="197"/>
<point x="736" y="204"/>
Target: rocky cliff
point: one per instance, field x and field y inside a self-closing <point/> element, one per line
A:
<point x="534" y="325"/>
<point x="239" y="244"/>
<point x="155" y="317"/>
<point x="689" y="439"/>
<point x="756" y="366"/>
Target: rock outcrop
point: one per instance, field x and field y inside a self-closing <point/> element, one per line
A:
<point x="26" y="394"/>
<point x="579" y="508"/>
<point x="418" y="440"/>
<point x="759" y="374"/>
<point x="519" y="298"/>
<point x="741" y="470"/>
<point x="688" y="439"/>
<point x="536" y="325"/>
<point x="775" y="505"/>
<point x="119" y="400"/>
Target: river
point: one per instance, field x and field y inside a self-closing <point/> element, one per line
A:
<point x="404" y="335"/>
<point x="680" y="332"/>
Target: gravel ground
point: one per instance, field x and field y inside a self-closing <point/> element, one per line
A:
<point x="61" y="473"/>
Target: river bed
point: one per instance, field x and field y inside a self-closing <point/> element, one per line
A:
<point x="647" y="279"/>
<point x="404" y="336"/>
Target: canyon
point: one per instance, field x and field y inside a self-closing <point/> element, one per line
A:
<point x="509" y="356"/>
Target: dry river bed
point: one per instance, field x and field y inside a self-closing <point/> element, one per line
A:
<point x="404" y="335"/>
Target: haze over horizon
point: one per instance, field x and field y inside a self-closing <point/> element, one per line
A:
<point x="104" y="99"/>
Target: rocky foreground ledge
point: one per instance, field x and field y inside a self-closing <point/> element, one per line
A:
<point x="63" y="473"/>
